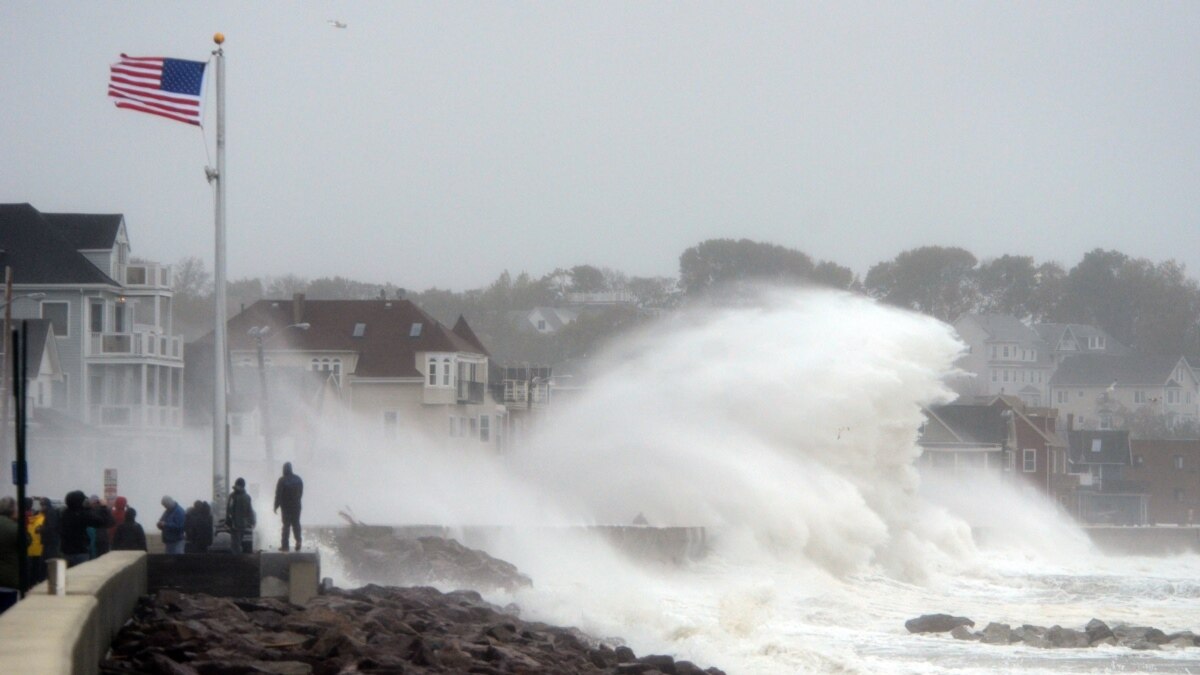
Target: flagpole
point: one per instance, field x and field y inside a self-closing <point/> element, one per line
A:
<point x="220" y="479"/>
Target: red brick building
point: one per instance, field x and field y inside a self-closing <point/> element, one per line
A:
<point x="1170" y="474"/>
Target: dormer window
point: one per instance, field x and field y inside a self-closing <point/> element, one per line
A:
<point x="360" y="329"/>
<point x="415" y="330"/>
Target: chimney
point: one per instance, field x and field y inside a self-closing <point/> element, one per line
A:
<point x="297" y="308"/>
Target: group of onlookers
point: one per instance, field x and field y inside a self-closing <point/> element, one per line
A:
<point x="84" y="528"/>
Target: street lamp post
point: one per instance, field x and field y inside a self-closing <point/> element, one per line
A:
<point x="258" y="333"/>
<point x="5" y="380"/>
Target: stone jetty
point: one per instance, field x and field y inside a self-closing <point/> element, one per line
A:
<point x="1095" y="633"/>
<point x="373" y="629"/>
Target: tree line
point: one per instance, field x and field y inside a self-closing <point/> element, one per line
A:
<point x="1151" y="307"/>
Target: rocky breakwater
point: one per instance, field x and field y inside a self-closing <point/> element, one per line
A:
<point x="372" y="629"/>
<point x="385" y="559"/>
<point x="1094" y="634"/>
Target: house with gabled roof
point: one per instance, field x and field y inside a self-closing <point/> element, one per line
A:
<point x="1004" y="357"/>
<point x="544" y="320"/>
<point x="120" y="363"/>
<point x="394" y="367"/>
<point x="1002" y="435"/>
<point x="1104" y="391"/>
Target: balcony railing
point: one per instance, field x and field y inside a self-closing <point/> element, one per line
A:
<point x="137" y="343"/>
<point x="470" y="392"/>
<point x="150" y="275"/>
<point x="521" y="394"/>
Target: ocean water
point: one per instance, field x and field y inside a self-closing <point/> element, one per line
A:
<point x="786" y="426"/>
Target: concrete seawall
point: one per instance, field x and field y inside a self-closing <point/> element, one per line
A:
<point x="1145" y="540"/>
<point x="69" y="635"/>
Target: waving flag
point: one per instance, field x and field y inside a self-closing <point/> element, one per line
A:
<point x="170" y="88"/>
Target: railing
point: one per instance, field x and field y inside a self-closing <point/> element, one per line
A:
<point x="520" y="393"/>
<point x="137" y="343"/>
<point x="148" y="274"/>
<point x="470" y="392"/>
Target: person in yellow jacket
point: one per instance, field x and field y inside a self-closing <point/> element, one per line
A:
<point x="34" y="521"/>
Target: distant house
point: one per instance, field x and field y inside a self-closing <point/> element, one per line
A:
<point x="1169" y="471"/>
<point x="1005" y="358"/>
<point x="545" y="320"/>
<point x="1101" y="459"/>
<point x="43" y="369"/>
<point x="120" y="363"/>
<point x="1103" y="391"/>
<point x="1003" y="436"/>
<point x="394" y="366"/>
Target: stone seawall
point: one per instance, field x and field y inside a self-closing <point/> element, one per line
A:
<point x="69" y="635"/>
<point x="1145" y="540"/>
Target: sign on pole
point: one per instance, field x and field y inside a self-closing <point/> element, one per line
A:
<point x="110" y="485"/>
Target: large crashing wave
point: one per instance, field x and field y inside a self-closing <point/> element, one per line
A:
<point x="794" y="419"/>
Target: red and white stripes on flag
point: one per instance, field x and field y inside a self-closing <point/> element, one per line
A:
<point x="171" y="88"/>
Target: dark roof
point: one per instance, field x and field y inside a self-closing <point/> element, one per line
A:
<point x="1052" y="333"/>
<point x="87" y="230"/>
<point x="386" y="348"/>
<point x="463" y="330"/>
<point x="1113" y="446"/>
<point x="1102" y="370"/>
<point x="974" y="423"/>
<point x="1005" y="328"/>
<point x="40" y="253"/>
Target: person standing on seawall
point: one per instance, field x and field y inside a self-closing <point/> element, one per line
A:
<point x="288" y="492"/>
<point x="171" y="525"/>
<point x="239" y="516"/>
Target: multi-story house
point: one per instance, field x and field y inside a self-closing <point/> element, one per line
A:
<point x="394" y="367"/>
<point x="110" y="317"/>
<point x="1004" y="357"/>
<point x="1003" y="436"/>
<point x="1104" y="391"/>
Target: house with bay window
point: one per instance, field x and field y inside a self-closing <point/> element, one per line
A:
<point x="393" y="367"/>
<point x="117" y="364"/>
<point x="1104" y="391"/>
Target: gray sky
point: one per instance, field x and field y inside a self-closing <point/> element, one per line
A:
<point x="440" y="143"/>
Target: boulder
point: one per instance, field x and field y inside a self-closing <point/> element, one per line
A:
<point x="997" y="634"/>
<point x="963" y="633"/>
<point x="1097" y="630"/>
<point x="936" y="623"/>
<point x="1066" y="638"/>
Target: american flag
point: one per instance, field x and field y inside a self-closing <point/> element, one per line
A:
<point x="168" y="87"/>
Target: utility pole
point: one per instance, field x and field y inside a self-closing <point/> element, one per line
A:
<point x="20" y="471"/>
<point x="220" y="460"/>
<point x="4" y="368"/>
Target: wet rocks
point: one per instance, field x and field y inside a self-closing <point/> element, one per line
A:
<point x="373" y="629"/>
<point x="383" y="558"/>
<point x="936" y="623"/>
<point x="1096" y="633"/>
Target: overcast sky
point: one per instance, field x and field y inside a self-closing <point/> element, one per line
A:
<point x="441" y="143"/>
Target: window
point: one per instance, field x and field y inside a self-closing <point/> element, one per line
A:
<point x="97" y="318"/>
<point x="993" y="351"/>
<point x="445" y="372"/>
<point x="1061" y="396"/>
<point x="995" y="375"/>
<point x="1178" y="461"/>
<point x="1106" y="421"/>
<point x="119" y="316"/>
<point x="1006" y="351"/>
<point x="432" y="372"/>
<point x="541" y="324"/>
<point x="59" y="316"/>
<point x="360" y="329"/>
<point x="1006" y="374"/>
<point x="1096" y="444"/>
<point x="415" y="330"/>
<point x="391" y="422"/>
<point x="485" y="424"/>
<point x="1172" y="396"/>
<point x="474" y="428"/>
<point x="1139" y="396"/>
<point x="1029" y="460"/>
<point x="1095" y="342"/>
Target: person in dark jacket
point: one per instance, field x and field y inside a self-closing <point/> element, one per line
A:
<point x="10" y="542"/>
<point x="51" y="533"/>
<point x="239" y="516"/>
<point x="75" y="521"/>
<point x="198" y="525"/>
<point x="171" y="525"/>
<point x="129" y="535"/>
<point x="101" y="542"/>
<point x="288" y="493"/>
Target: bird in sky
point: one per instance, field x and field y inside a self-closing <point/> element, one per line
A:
<point x="337" y="24"/>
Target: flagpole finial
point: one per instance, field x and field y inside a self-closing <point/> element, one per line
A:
<point x="219" y="38"/>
